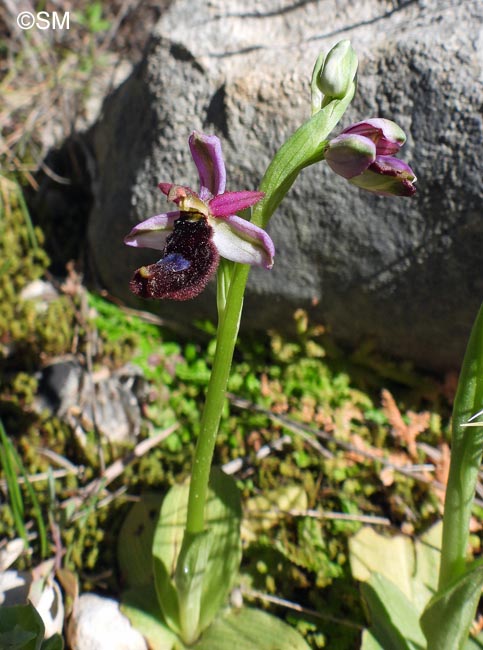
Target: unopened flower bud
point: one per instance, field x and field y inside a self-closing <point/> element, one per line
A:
<point x="338" y="70"/>
<point x="387" y="176"/>
<point x="360" y="154"/>
<point x="350" y="155"/>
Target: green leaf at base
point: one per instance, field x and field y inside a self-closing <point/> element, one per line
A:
<point x="141" y="607"/>
<point x="54" y="643"/>
<point x="210" y="561"/>
<point x="250" y="629"/>
<point x="136" y="540"/>
<point x="21" y="628"/>
<point x="448" y="616"/>
<point x="410" y="565"/>
<point x="394" y="619"/>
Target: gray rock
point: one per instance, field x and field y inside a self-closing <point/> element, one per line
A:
<point x="108" y="402"/>
<point x="405" y="273"/>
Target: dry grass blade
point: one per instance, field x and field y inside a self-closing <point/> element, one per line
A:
<point x="95" y="487"/>
<point x="238" y="464"/>
<point x="287" y="604"/>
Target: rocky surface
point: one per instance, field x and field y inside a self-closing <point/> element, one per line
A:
<point x="105" y="401"/>
<point x="405" y="273"/>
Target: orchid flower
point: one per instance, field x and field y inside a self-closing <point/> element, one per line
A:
<point x="204" y="227"/>
<point x="362" y="154"/>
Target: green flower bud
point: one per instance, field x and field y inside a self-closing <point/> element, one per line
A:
<point x="338" y="71"/>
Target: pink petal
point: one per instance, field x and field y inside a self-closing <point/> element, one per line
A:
<point x="153" y="232"/>
<point x="165" y="187"/>
<point x="240" y="241"/>
<point x="391" y="166"/>
<point x="386" y="134"/>
<point x="208" y="158"/>
<point x="229" y="203"/>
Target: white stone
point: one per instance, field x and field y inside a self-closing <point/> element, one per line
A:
<point x="98" y="624"/>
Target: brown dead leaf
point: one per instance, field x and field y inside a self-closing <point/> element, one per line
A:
<point x="475" y="525"/>
<point x="280" y="407"/>
<point x="441" y="471"/>
<point x="72" y="285"/>
<point x="254" y="440"/>
<point x="407" y="528"/>
<point x="359" y="443"/>
<point x="265" y="385"/>
<point x="392" y="412"/>
<point x="449" y="385"/>
<point x="386" y="476"/>
<point x="343" y="417"/>
<point x="477" y="625"/>
<point x="324" y="420"/>
<point x="399" y="459"/>
<point x="308" y="409"/>
<point x="406" y="433"/>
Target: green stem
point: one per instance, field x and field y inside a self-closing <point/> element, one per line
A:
<point x="225" y="346"/>
<point x="305" y="147"/>
<point x="466" y="450"/>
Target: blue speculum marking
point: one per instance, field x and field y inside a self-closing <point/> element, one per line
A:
<point x="175" y="262"/>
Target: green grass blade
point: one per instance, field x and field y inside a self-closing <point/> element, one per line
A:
<point x="15" y="495"/>
<point x="28" y="221"/>
<point x="44" y="547"/>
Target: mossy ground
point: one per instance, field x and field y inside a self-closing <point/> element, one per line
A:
<point x="301" y="555"/>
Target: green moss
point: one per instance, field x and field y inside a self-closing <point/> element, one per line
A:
<point x="28" y="332"/>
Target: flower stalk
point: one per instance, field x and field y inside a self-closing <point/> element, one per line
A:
<point x="215" y="397"/>
<point x="305" y="147"/>
<point x="466" y="451"/>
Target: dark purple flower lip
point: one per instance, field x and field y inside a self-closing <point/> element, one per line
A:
<point x="230" y="236"/>
<point x="189" y="261"/>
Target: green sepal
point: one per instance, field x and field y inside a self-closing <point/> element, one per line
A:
<point x="305" y="147"/>
<point x="394" y="619"/>
<point x="223" y="278"/>
<point x="448" y="616"/>
<point x="316" y="94"/>
<point x="338" y="71"/>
